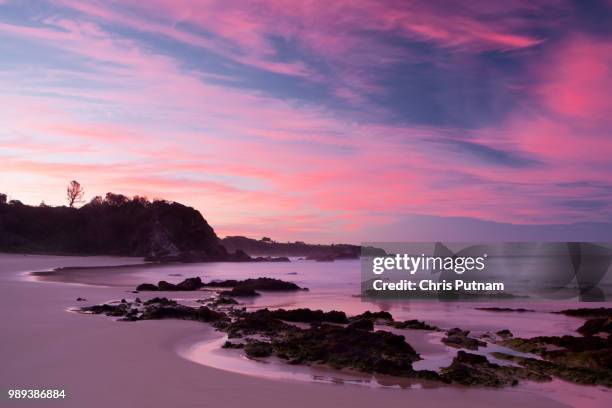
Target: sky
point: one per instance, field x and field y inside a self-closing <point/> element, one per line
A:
<point x="341" y="121"/>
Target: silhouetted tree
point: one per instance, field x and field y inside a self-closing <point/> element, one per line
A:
<point x="97" y="200"/>
<point x="115" y="200"/>
<point x="2" y="198"/>
<point x="74" y="193"/>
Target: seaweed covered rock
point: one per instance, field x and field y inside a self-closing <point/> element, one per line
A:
<point x="579" y="375"/>
<point x="258" y="349"/>
<point x="202" y="313"/>
<point x="374" y="352"/>
<point x="505" y="333"/>
<point x="459" y="339"/>
<point x="258" y="322"/>
<point x="475" y="369"/>
<point x="590" y="352"/>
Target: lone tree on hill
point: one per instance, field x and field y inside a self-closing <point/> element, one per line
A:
<point x="74" y="193"/>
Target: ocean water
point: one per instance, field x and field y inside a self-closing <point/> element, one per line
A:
<point x="336" y="286"/>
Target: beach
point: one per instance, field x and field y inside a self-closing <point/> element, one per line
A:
<point x="101" y="362"/>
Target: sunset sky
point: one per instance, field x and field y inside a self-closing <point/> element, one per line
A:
<point x="321" y="121"/>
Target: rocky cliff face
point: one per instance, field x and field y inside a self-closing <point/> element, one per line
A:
<point x="115" y="225"/>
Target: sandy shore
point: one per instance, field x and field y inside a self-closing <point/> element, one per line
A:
<point x="103" y="363"/>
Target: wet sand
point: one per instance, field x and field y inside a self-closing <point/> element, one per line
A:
<point x="104" y="363"/>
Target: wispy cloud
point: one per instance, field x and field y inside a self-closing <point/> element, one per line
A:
<point x="303" y="119"/>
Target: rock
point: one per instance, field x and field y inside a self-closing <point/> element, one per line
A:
<point x="271" y="259"/>
<point x="580" y="375"/>
<point x="412" y="324"/>
<point x="374" y="315"/>
<point x="202" y="313"/>
<point x="321" y="258"/>
<point x="588" y="312"/>
<point x="166" y="286"/>
<point x="107" y="309"/>
<point x="595" y="326"/>
<point x="258" y="322"/>
<point x="258" y="349"/>
<point x="161" y="301"/>
<point x="504" y="309"/>
<point x="306" y="315"/>
<point x="338" y="347"/>
<point x="361" y="324"/>
<point x="230" y="345"/>
<point x="505" y="333"/>
<point x="591" y="352"/>
<point x="269" y="284"/>
<point x="146" y="287"/>
<point x="80" y="299"/>
<point x="459" y="339"/>
<point x="474" y="369"/>
<point x="190" y="284"/>
<point x="240" y="292"/>
<point x="224" y="300"/>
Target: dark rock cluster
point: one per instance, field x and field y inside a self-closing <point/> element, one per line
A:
<point x="245" y="287"/>
<point x="342" y="342"/>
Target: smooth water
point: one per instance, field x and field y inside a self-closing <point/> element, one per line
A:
<point x="336" y="286"/>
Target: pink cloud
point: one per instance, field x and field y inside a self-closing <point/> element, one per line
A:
<point x="142" y="123"/>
